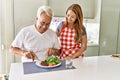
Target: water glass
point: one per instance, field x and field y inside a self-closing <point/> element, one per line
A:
<point x="69" y="64"/>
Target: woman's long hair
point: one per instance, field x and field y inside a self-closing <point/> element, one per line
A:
<point x="78" y="24"/>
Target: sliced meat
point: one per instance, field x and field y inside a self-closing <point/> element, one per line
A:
<point x="43" y="63"/>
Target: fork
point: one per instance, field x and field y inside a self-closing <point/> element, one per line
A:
<point x="38" y="59"/>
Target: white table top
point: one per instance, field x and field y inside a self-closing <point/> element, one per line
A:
<point x="87" y="68"/>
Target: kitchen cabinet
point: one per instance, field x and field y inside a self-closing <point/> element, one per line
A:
<point x="92" y="51"/>
<point x="118" y="46"/>
<point x="109" y="29"/>
<point x="92" y="29"/>
<point x="88" y="7"/>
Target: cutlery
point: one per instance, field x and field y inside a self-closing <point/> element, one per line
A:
<point x="38" y="59"/>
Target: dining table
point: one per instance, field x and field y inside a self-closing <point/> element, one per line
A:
<point x="103" y="67"/>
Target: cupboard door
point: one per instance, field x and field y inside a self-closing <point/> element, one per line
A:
<point x="92" y="51"/>
<point x="109" y="31"/>
<point x="118" y="47"/>
<point x="88" y="7"/>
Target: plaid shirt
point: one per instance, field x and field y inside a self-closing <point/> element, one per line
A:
<point x="68" y="46"/>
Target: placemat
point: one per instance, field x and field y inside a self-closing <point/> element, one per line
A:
<point x="30" y="68"/>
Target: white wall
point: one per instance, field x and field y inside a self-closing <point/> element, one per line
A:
<point x="0" y="37"/>
<point x="25" y="12"/>
<point x="6" y="34"/>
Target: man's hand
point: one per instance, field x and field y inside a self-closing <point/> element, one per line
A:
<point x="30" y="55"/>
<point x="52" y="51"/>
<point x="49" y="52"/>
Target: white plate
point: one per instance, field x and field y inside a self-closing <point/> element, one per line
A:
<point x="39" y="62"/>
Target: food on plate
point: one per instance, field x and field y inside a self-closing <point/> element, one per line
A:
<point x="50" y="61"/>
<point x="52" y="64"/>
<point x="43" y="63"/>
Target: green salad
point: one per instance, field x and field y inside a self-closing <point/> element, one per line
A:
<point x="52" y="60"/>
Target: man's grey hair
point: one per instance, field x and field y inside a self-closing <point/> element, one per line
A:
<point x="45" y="9"/>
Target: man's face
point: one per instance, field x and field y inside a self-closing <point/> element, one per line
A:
<point x="43" y="22"/>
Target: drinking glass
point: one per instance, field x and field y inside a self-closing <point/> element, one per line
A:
<point x="69" y="64"/>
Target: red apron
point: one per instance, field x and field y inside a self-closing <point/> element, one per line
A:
<point x="68" y="46"/>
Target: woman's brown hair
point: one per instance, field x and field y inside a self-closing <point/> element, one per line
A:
<point x="78" y="24"/>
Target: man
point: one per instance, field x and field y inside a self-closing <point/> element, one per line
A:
<point x="37" y="41"/>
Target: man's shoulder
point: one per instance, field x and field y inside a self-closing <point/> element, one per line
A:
<point x="50" y="30"/>
<point x="28" y="27"/>
<point x="50" y="33"/>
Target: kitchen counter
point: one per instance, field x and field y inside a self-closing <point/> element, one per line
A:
<point x="87" y="68"/>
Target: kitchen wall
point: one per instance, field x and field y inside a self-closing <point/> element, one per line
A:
<point x="25" y="14"/>
<point x="0" y="37"/>
<point x="6" y="34"/>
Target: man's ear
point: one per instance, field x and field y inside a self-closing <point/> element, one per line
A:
<point x="36" y="18"/>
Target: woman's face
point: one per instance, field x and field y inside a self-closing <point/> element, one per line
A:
<point x="71" y="16"/>
<point x="43" y="22"/>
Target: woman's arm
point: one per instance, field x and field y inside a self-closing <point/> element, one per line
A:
<point x="81" y="50"/>
<point x="83" y="47"/>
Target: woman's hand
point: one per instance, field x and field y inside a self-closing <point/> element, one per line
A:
<point x="68" y="58"/>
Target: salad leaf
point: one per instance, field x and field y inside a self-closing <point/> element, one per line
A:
<point x="52" y="59"/>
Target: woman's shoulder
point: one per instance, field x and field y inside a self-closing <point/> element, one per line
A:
<point x="60" y="25"/>
<point x="84" y="30"/>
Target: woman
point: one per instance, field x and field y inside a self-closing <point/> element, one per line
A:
<point x="72" y="33"/>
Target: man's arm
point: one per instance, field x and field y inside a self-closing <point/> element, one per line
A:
<point x="17" y="51"/>
<point x="20" y="52"/>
